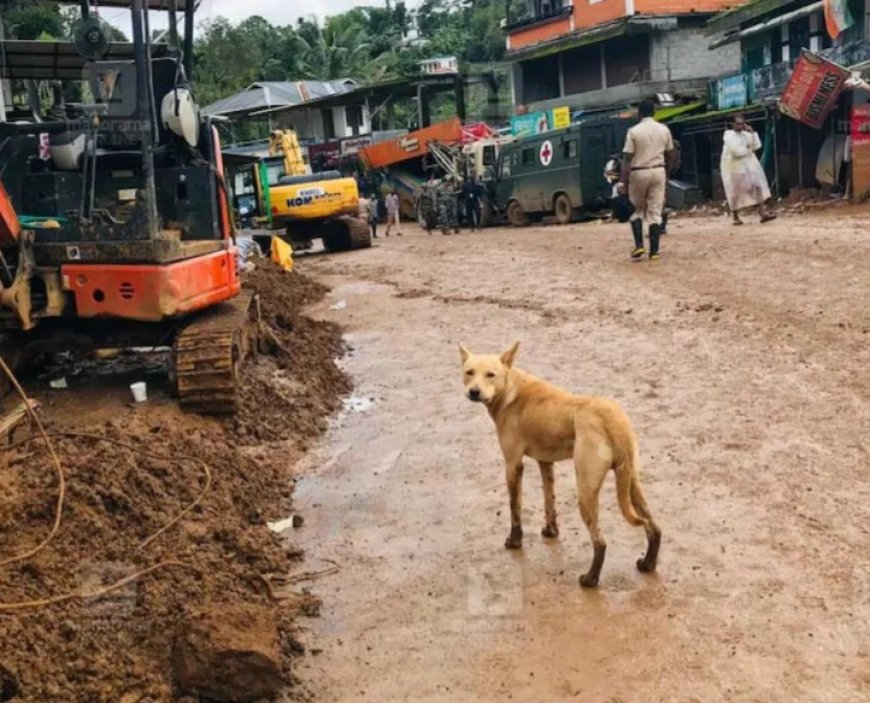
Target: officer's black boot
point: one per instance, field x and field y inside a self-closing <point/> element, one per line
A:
<point x="655" y="234"/>
<point x="637" y="232"/>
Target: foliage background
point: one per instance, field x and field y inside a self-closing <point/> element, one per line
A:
<point x="367" y="43"/>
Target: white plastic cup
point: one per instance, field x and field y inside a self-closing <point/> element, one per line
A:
<point x="140" y="392"/>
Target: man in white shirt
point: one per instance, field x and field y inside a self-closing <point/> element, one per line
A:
<point x="393" y="217"/>
<point x="649" y="148"/>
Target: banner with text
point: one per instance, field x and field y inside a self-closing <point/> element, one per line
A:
<point x="813" y="89"/>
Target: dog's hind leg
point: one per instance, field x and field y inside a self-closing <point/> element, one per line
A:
<point x="591" y="468"/>
<point x="653" y="533"/>
<point x="514" y="477"/>
<point x="551" y="529"/>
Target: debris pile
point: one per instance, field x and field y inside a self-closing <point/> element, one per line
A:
<point x="129" y="479"/>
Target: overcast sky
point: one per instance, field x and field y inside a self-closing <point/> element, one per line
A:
<point x="278" y="12"/>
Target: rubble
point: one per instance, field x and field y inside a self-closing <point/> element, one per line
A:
<point x="228" y="653"/>
<point x="131" y="471"/>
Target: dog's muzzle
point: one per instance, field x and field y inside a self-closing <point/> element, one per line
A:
<point x="474" y="394"/>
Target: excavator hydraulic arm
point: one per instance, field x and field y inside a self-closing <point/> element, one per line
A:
<point x="283" y="142"/>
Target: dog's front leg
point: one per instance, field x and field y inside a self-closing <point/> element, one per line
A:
<point x="514" y="477"/>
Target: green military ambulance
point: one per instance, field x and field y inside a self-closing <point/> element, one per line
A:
<point x="560" y="172"/>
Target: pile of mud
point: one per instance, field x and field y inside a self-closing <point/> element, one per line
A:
<point x="129" y="477"/>
<point x="290" y="392"/>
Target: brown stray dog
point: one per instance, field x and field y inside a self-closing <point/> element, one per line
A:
<point x="538" y="420"/>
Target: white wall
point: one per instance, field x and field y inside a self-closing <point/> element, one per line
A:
<point x="343" y="129"/>
<point x="684" y="53"/>
<point x="309" y="123"/>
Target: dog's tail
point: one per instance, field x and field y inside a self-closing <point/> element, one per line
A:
<point x="632" y="502"/>
<point x="628" y="485"/>
<point x="629" y="493"/>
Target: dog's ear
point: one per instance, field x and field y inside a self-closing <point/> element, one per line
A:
<point x="507" y="358"/>
<point x="464" y="353"/>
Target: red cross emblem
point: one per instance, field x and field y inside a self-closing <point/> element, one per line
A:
<point x="546" y="153"/>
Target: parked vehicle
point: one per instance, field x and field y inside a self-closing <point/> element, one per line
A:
<point x="279" y="193"/>
<point x="559" y="172"/>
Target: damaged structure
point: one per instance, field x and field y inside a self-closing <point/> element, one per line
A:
<point x="770" y="37"/>
<point x="596" y="54"/>
<point x="702" y="61"/>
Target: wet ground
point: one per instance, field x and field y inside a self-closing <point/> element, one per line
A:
<point x="742" y="359"/>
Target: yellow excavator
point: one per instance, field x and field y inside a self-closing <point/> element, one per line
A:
<point x="278" y="192"/>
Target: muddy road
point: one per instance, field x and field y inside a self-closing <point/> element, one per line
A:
<point x="742" y="359"/>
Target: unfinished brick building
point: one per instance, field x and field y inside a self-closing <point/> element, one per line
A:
<point x="593" y="54"/>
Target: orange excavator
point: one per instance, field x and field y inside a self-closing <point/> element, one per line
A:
<point x="115" y="227"/>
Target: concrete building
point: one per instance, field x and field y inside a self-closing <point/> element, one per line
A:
<point x="593" y="54"/>
<point x="770" y="37"/>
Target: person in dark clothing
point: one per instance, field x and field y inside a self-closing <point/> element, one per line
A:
<point x="621" y="206"/>
<point x="472" y="197"/>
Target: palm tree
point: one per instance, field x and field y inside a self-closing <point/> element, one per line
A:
<point x="340" y="49"/>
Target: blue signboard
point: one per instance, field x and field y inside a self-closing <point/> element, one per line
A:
<point x="531" y="123"/>
<point x="732" y="92"/>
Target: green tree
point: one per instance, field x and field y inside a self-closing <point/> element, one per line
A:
<point x="31" y="19"/>
<point x="228" y="59"/>
<point x="338" y="49"/>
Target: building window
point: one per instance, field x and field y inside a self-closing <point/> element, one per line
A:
<point x="582" y="69"/>
<point x="571" y="149"/>
<point x="541" y="79"/>
<point x="627" y="60"/>
<point x="545" y="8"/>
<point x="354" y="114"/>
<point x="328" y="124"/>
<point x="798" y="36"/>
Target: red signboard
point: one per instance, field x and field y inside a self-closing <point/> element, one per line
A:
<point x="861" y="124"/>
<point x="813" y="89"/>
<point x="324" y="156"/>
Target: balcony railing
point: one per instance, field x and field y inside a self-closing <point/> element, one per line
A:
<point x="529" y="19"/>
<point x="768" y="82"/>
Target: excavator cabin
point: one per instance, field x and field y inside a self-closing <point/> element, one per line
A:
<point x="122" y="232"/>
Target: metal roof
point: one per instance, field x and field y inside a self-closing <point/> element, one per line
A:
<point x="629" y="26"/>
<point x="42" y="60"/>
<point x="744" y="12"/>
<point x="272" y="94"/>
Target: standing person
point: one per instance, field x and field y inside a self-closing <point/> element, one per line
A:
<point x="427" y="205"/>
<point x="742" y="174"/>
<point x="619" y="203"/>
<point x="447" y="207"/>
<point x="647" y="155"/>
<point x="393" y="216"/>
<point x="368" y="212"/>
<point x="472" y="197"/>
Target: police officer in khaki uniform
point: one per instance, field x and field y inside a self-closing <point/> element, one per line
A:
<point x="649" y="148"/>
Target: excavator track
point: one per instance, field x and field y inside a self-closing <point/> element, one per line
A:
<point x="346" y="233"/>
<point x="209" y="353"/>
